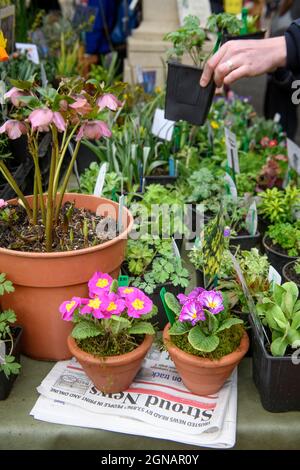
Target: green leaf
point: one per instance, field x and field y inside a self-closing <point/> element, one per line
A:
<point x="172" y="303"/>
<point x="292" y="289"/>
<point x="85" y="329"/>
<point x="293" y="336"/>
<point x="118" y="324"/>
<point x="179" y="328"/>
<point x="8" y="316"/>
<point x="229" y="323"/>
<point x="21" y="84"/>
<point x="275" y="314"/>
<point x="296" y="321"/>
<point x="142" y="328"/>
<point x="278" y="347"/>
<point x="114" y="286"/>
<point x="278" y="293"/>
<point x="203" y="343"/>
<point x="30" y="101"/>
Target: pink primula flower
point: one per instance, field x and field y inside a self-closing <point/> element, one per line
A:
<point x="138" y="304"/>
<point x="93" y="130"/>
<point x="108" y="100"/>
<point x="115" y="305"/>
<point x="192" y="295"/>
<point x="99" y="283"/>
<point x="2" y="203"/>
<point x="212" y="301"/>
<point x="68" y="307"/>
<point x="13" y="128"/>
<point x="192" y="312"/>
<point x="127" y="290"/>
<point x="94" y="306"/>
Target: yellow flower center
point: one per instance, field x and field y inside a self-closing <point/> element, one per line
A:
<point x="128" y="290"/>
<point x="102" y="283"/>
<point x="112" y="306"/>
<point x="94" y="303"/>
<point x="70" y="305"/>
<point x="214" y="125"/>
<point x="212" y="304"/>
<point x="138" y="304"/>
<point x="194" y="315"/>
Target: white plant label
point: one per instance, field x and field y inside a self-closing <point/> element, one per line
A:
<point x="232" y="187"/>
<point x="293" y="155"/>
<point x="232" y="151"/>
<point x="2" y="92"/>
<point x="274" y="276"/>
<point x="175" y="248"/>
<point x="277" y="118"/>
<point x="2" y="352"/>
<point x="120" y="214"/>
<point x="100" y="180"/>
<point x="161" y="127"/>
<point x="30" y="50"/>
<point x="252" y="219"/>
<point x="139" y="74"/>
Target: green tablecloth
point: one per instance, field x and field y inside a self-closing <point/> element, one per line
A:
<point x="256" y="428"/>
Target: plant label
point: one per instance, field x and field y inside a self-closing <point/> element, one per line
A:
<point x="293" y="155"/>
<point x="277" y="118"/>
<point x="200" y="8"/>
<point x="161" y="127"/>
<point x="172" y="171"/>
<point x="123" y="281"/>
<point x="168" y="311"/>
<point x="175" y="249"/>
<point x="274" y="277"/>
<point x="232" y="189"/>
<point x="120" y="214"/>
<point x="2" y="92"/>
<point x="2" y="352"/>
<point x="100" y="180"/>
<point x="139" y="74"/>
<point x="232" y="151"/>
<point x="252" y="219"/>
<point x="30" y="50"/>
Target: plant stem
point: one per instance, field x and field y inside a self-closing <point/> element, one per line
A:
<point x="66" y="179"/>
<point x="34" y="150"/>
<point x="35" y="201"/>
<point x="10" y="179"/>
<point x="50" y="202"/>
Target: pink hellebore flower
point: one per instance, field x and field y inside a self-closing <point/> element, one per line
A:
<point x="212" y="301"/>
<point x="94" y="306"/>
<point x="14" y="94"/>
<point x="93" y="130"/>
<point x="108" y="100"/>
<point x="138" y="304"/>
<point x="41" y="119"/>
<point x="81" y="105"/>
<point x="99" y="283"/>
<point x="192" y="312"/>
<point x="13" y="128"/>
<point x="67" y="308"/>
<point x="2" y="203"/>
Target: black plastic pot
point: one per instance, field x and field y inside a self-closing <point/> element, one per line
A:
<point x="246" y="242"/>
<point x="285" y="273"/>
<point x="263" y="225"/>
<point x="84" y="158"/>
<point x="163" y="180"/>
<point x="276" y="259"/>
<point x="161" y="318"/>
<point x="185" y="99"/>
<point x="6" y="384"/>
<point x="24" y="179"/>
<point x="276" y="378"/>
<point x="200" y="278"/>
<point x="257" y="35"/>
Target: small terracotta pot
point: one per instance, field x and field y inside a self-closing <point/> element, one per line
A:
<point x="111" y="374"/>
<point x="44" y="280"/>
<point x="200" y="375"/>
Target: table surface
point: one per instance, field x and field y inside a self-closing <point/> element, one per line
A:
<point x="256" y="428"/>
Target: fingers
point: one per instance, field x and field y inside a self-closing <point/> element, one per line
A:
<point x="211" y="64"/>
<point x="240" y="72"/>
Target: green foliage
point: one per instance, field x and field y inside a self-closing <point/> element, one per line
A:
<point x="297" y="267"/>
<point x="139" y="255"/>
<point x="280" y="205"/>
<point x="8" y="363"/>
<point x="287" y="236"/>
<point x="89" y="177"/>
<point x="189" y="39"/>
<point x="86" y="329"/>
<point x="225" y="23"/>
<point x="281" y="313"/>
<point x="203" y="184"/>
<point x="108" y="70"/>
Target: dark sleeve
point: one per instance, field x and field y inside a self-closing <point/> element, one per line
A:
<point x="292" y="37"/>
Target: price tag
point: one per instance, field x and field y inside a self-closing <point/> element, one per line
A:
<point x="2" y="352"/>
<point x="252" y="219"/>
<point x="293" y="155"/>
<point x="100" y="180"/>
<point x="161" y="127"/>
<point x="172" y="171"/>
<point x="175" y="249"/>
<point x="232" y="189"/>
<point x="274" y="277"/>
<point x="30" y="50"/>
<point x="120" y="214"/>
<point x="232" y="151"/>
<point x="123" y="281"/>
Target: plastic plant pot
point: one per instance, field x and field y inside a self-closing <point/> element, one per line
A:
<point x="257" y="35"/>
<point x="286" y="273"/>
<point x="277" y="260"/>
<point x="6" y="384"/>
<point x="163" y="180"/>
<point x="185" y="99"/>
<point x="276" y="378"/>
<point x="246" y="242"/>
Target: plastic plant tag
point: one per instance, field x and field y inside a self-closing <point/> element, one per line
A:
<point x="274" y="277"/>
<point x="232" y="151"/>
<point x="244" y="29"/>
<point x="123" y="281"/>
<point x="171" y="166"/>
<point x="252" y="219"/>
<point x="2" y="92"/>
<point x="100" y="180"/>
<point x="210" y="136"/>
<point x="161" y="127"/>
<point x="43" y="75"/>
<point x="175" y="249"/>
<point x="168" y="311"/>
<point x="213" y="247"/>
<point x="277" y="118"/>
<point x="231" y="187"/>
<point x="2" y="352"/>
<point x="120" y="214"/>
<point x="30" y="50"/>
<point x="293" y="155"/>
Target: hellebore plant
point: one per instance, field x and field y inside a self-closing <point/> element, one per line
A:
<point x="201" y="316"/>
<point x="74" y="111"/>
<point x="112" y="313"/>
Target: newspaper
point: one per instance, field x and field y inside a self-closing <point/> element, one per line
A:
<point x="157" y="404"/>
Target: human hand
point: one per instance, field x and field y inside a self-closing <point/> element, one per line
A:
<point x="244" y="58"/>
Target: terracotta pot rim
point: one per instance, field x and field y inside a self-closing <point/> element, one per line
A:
<point x="291" y="258"/>
<point x="82" y="251"/>
<point x="231" y="358"/>
<point x="110" y="360"/>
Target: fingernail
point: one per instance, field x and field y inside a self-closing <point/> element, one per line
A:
<point x="203" y="82"/>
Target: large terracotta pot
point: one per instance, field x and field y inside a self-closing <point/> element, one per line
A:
<point x="200" y="375"/>
<point x="44" y="280"/>
<point x="111" y="374"/>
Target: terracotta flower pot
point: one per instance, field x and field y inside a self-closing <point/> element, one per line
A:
<point x="200" y="375"/>
<point x="111" y="374"/>
<point x="44" y="280"/>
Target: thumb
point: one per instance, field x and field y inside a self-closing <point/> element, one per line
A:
<point x="206" y="75"/>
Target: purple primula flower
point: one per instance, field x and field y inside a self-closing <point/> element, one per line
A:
<point x="192" y="312"/>
<point x="227" y="232"/>
<point x="192" y="295"/>
<point x="212" y="301"/>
